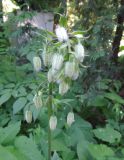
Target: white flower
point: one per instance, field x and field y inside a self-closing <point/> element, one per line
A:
<point x="57" y="62"/>
<point x="69" y="69"/>
<point x="28" y="116"/>
<point x="46" y="58"/>
<point x="75" y="75"/>
<point x="51" y="75"/>
<point x="53" y="122"/>
<point x="70" y="118"/>
<point x="63" y="88"/>
<point x="37" y="100"/>
<point x="79" y="52"/>
<point x="61" y="33"/>
<point x="37" y="63"/>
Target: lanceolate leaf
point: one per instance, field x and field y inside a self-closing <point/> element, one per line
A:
<point x="19" y="104"/>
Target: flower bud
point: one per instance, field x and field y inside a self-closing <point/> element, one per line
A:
<point x="61" y="33"/>
<point x="46" y="59"/>
<point x="57" y="62"/>
<point x="37" y="63"/>
<point x="75" y="75"/>
<point x="53" y="122"/>
<point x="37" y="100"/>
<point x="28" y="116"/>
<point x="51" y="75"/>
<point x="69" y="69"/>
<point x="70" y="118"/>
<point x="79" y="52"/>
<point x="63" y="88"/>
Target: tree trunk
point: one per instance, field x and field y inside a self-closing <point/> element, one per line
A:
<point x="118" y="33"/>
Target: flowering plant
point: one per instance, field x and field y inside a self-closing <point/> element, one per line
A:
<point x="63" y="65"/>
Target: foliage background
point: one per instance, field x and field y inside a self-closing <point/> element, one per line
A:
<point x="96" y="98"/>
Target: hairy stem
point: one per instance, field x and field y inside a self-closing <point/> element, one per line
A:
<point x="49" y="115"/>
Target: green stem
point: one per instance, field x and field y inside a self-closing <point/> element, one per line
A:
<point x="49" y="115"/>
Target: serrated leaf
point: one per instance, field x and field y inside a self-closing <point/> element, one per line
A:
<point x="6" y="155"/>
<point x="28" y="148"/>
<point x="107" y="134"/>
<point x="100" y="151"/>
<point x="7" y="134"/>
<point x="82" y="150"/>
<point x="57" y="145"/>
<point x="19" y="104"/>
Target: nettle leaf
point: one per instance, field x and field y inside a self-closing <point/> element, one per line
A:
<point x="58" y="145"/>
<point x="6" y="154"/>
<point x="5" y="97"/>
<point x="107" y="134"/>
<point x="114" y="97"/>
<point x="100" y="151"/>
<point x="8" y="134"/>
<point x="82" y="151"/>
<point x="19" y="104"/>
<point x="16" y="153"/>
<point x="28" y="148"/>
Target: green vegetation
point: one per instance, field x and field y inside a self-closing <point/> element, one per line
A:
<point x="57" y="103"/>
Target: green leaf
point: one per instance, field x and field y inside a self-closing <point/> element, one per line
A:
<point x="28" y="148"/>
<point x="82" y="150"/>
<point x="98" y="101"/>
<point x="15" y="152"/>
<point x="6" y="155"/>
<point x="7" y="134"/>
<point x="100" y="151"/>
<point x="5" y="97"/>
<point x="63" y="21"/>
<point x="57" y="145"/>
<point x="114" y="97"/>
<point x="107" y="134"/>
<point x="19" y="104"/>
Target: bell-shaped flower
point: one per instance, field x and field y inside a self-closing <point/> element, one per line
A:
<point x="63" y="88"/>
<point x="53" y="122"/>
<point x="57" y="61"/>
<point x="69" y="69"/>
<point x="51" y="75"/>
<point x="70" y="118"/>
<point x="61" y="33"/>
<point x="37" y="63"/>
<point x="37" y="100"/>
<point x="75" y="75"/>
<point x="28" y="116"/>
<point x="79" y="52"/>
<point x="46" y="59"/>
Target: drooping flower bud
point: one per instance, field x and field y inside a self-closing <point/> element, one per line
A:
<point x="63" y="88"/>
<point x="69" y="69"/>
<point x="53" y="122"/>
<point x="37" y="63"/>
<point x="61" y="33"/>
<point x="51" y="75"/>
<point x="75" y="75"/>
<point x="28" y="116"/>
<point x="46" y="58"/>
<point x="70" y="118"/>
<point x="37" y="100"/>
<point x="79" y="52"/>
<point x="57" y="61"/>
